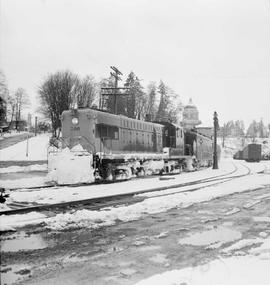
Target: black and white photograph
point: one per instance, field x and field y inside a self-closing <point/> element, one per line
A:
<point x="135" y="142"/>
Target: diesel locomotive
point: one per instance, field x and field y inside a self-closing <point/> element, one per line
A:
<point x="126" y="146"/>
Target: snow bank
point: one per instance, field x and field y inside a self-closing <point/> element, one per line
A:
<point x="94" y="219"/>
<point x="70" y="166"/>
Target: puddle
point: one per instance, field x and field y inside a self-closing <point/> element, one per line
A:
<point x="13" y="273"/>
<point x="22" y="241"/>
<point x="218" y="235"/>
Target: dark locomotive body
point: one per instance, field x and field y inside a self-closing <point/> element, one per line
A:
<point x="115" y="139"/>
<point x="109" y="134"/>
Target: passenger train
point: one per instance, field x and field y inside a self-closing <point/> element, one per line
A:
<point x="126" y="146"/>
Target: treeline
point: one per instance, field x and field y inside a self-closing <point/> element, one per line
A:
<point x="63" y="90"/>
<point x="15" y="103"/>
<point x="237" y="129"/>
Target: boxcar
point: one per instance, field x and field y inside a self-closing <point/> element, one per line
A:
<point x="252" y="152"/>
<point x="238" y="155"/>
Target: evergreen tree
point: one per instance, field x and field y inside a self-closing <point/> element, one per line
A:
<point x="136" y="99"/>
<point x="151" y="106"/>
<point x="261" y="129"/>
<point x="162" y="113"/>
<point x="169" y="106"/>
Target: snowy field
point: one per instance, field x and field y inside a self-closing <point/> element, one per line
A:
<point x="37" y="149"/>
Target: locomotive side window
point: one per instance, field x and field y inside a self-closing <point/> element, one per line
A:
<point x="106" y="131"/>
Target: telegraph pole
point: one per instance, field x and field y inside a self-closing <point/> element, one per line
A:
<point x="215" y="160"/>
<point x="114" y="91"/>
<point x="116" y="74"/>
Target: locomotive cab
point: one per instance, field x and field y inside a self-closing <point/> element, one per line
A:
<point x="173" y="139"/>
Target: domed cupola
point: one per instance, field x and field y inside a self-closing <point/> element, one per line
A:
<point x="190" y="116"/>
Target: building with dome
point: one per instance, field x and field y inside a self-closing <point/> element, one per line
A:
<point x="190" y="116"/>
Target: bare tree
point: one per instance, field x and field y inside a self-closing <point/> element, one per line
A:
<point x="85" y="91"/>
<point x="253" y="130"/>
<point x="56" y="95"/>
<point x="19" y="101"/>
<point x="4" y="93"/>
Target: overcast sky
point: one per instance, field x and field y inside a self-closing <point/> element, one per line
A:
<point x="215" y="51"/>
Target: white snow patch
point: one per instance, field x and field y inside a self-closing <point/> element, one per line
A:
<point x="251" y="204"/>
<point x="262" y="219"/>
<point x="70" y="166"/>
<point x="37" y="149"/>
<point x="241" y="270"/>
<point x="242" y="244"/>
<point x="233" y="211"/>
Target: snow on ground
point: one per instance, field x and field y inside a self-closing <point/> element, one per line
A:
<point x="23" y="183"/>
<point x="64" y="194"/>
<point x="28" y="168"/>
<point x="108" y="216"/>
<point x="243" y="270"/>
<point x="37" y="149"/>
<point x="233" y="267"/>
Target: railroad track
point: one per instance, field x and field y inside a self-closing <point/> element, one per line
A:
<point x="123" y="199"/>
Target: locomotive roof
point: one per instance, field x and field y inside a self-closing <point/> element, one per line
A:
<point x="109" y="115"/>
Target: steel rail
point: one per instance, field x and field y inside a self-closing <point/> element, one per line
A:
<point x="118" y="197"/>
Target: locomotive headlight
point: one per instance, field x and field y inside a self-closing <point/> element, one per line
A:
<point x="75" y="121"/>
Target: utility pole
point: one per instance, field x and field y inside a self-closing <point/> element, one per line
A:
<point x="116" y="74"/>
<point x="215" y="160"/>
<point x="115" y="91"/>
<point x="35" y="125"/>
